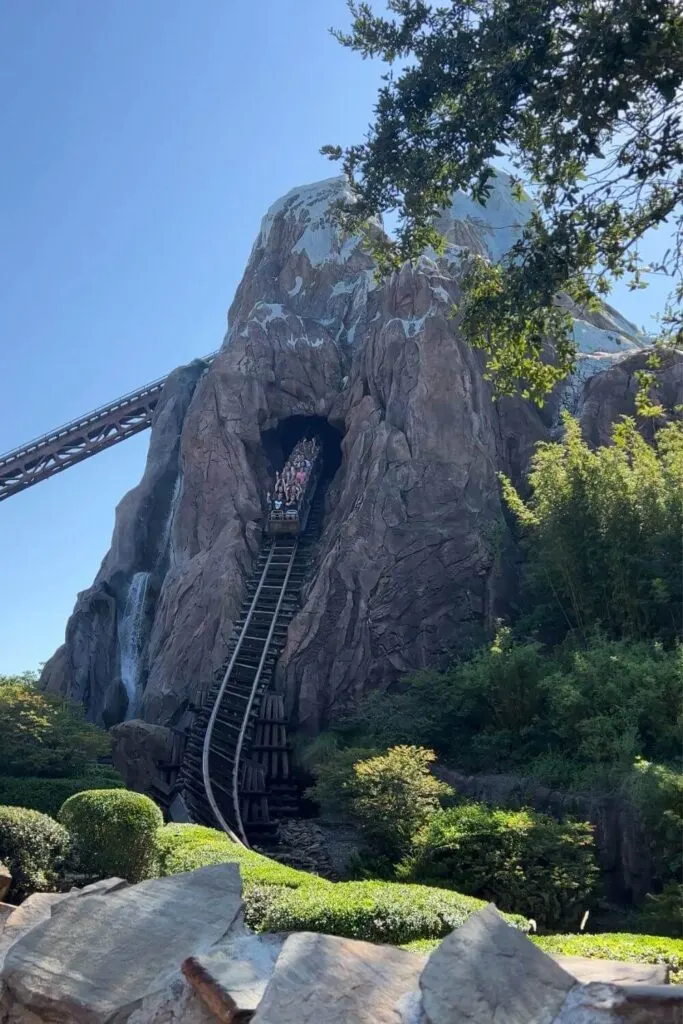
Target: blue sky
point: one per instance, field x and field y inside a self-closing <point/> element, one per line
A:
<point x="142" y="141"/>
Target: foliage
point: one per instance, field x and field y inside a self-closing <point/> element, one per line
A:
<point x="662" y="913"/>
<point x="334" y="787"/>
<point x="576" y="718"/>
<point x="374" y="911"/>
<point x="44" y="735"/>
<point x="584" y="100"/>
<point x="48" y="795"/>
<point x="643" y="949"/>
<point x="393" y="796"/>
<point x="114" y="832"/>
<point x="187" y="847"/>
<point x="519" y="860"/>
<point x="33" y="846"/>
<point x="602" y="532"/>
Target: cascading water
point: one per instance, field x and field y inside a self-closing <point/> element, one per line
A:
<point x="132" y="639"/>
<point x="166" y="544"/>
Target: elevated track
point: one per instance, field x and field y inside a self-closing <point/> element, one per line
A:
<point x="78" y="440"/>
<point x="236" y="770"/>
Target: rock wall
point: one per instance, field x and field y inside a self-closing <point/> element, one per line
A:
<point x="408" y="568"/>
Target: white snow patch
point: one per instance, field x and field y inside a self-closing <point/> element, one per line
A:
<point x="591" y="339"/>
<point x="310" y="206"/>
<point x="345" y="287"/>
<point x="297" y="286"/>
<point x="499" y="224"/>
<point x="274" y="311"/>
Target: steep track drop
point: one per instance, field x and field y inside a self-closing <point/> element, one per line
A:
<point x="236" y="765"/>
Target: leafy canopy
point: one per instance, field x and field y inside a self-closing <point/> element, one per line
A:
<point x="44" y="735"/>
<point x="583" y="99"/>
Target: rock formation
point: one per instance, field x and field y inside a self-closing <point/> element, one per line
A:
<point x="176" y="950"/>
<point x="406" y="570"/>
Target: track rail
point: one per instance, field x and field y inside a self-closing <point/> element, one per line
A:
<point x="228" y="776"/>
<point x="78" y="440"/>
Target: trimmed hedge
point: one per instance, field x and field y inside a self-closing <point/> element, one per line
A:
<point x="48" y="795"/>
<point x="374" y="911"/>
<point x="642" y="949"/>
<point x="280" y="898"/>
<point x="114" y="832"/>
<point x="33" y="846"/>
<point x="186" y="847"/>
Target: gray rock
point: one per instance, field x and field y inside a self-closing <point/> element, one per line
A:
<point x="599" y="1003"/>
<point x="588" y="969"/>
<point x="37" y="908"/>
<point x="232" y="980"/>
<point x="322" y="979"/>
<point x="100" y="958"/>
<point x="487" y="971"/>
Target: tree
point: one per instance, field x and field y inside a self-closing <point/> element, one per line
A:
<point x="42" y="734"/>
<point x="583" y="99"/>
<point x="603" y="533"/>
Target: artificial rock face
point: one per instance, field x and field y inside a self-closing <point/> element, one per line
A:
<point x="407" y="569"/>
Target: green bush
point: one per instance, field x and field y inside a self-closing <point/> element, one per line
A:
<point x="520" y="860"/>
<point x="48" y="795"/>
<point x="186" y="847"/>
<point x="374" y="911"/>
<point x="576" y="718"/>
<point x="602" y="531"/>
<point x="114" y="832"/>
<point x="334" y="776"/>
<point x="34" y="847"/>
<point x="279" y="898"/>
<point x="643" y="949"/>
<point x="44" y="735"/>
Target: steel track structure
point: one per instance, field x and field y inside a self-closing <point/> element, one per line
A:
<point x="226" y="777"/>
<point x="81" y="438"/>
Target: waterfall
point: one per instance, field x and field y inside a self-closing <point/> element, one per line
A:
<point x="132" y="639"/>
<point x="166" y="542"/>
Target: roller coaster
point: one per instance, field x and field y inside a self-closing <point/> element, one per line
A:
<point x="232" y="766"/>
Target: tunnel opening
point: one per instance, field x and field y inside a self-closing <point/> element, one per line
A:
<point x="278" y="443"/>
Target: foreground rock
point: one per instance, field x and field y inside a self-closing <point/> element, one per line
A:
<point x="322" y="978"/>
<point x="103" y="956"/>
<point x="175" y="951"/>
<point x="475" y="976"/>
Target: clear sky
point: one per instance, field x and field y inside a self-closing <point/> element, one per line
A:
<point x="141" y="143"/>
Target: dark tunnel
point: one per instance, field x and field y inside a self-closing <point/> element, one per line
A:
<point x="278" y="443"/>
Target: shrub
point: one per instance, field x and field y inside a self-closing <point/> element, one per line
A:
<point x="374" y="911"/>
<point x="114" y="832"/>
<point x="42" y="734"/>
<point x="48" y="795"/>
<point x="602" y="532"/>
<point x="186" y="847"/>
<point x="333" y="790"/>
<point x="576" y="718"/>
<point x="33" y="846"/>
<point x="520" y="860"/>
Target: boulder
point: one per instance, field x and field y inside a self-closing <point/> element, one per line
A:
<point x="613" y="972"/>
<point x="106" y="956"/>
<point x="323" y="979"/>
<point x="599" y="1003"/>
<point x="488" y="971"/>
<point x="231" y="980"/>
<point x="137" y="748"/>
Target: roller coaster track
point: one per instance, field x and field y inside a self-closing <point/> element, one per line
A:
<point x="235" y="770"/>
<point x="43" y="457"/>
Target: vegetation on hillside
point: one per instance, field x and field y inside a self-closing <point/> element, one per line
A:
<point x="583" y="100"/>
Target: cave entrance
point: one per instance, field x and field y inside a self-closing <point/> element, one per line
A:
<point x="278" y="443"/>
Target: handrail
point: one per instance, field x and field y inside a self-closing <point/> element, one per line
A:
<point x="252" y="695"/>
<point x="206" y="778"/>
<point x="94" y="414"/>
